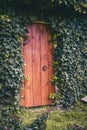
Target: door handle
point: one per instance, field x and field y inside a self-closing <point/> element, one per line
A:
<point x="44" y="68"/>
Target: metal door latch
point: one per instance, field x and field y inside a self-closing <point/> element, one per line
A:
<point x="44" y="68"/>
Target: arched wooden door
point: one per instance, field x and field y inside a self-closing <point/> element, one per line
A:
<point x="38" y="58"/>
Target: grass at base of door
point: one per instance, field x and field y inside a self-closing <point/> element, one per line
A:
<point x="28" y="115"/>
<point x="71" y="119"/>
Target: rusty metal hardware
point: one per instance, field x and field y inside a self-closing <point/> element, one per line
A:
<point x="44" y="68"/>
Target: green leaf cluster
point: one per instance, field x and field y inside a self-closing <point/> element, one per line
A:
<point x="47" y="6"/>
<point x="70" y="60"/>
<point x="11" y="67"/>
<point x="70" y="49"/>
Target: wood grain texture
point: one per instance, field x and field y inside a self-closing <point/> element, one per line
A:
<point x="36" y="66"/>
<point x="44" y="65"/>
<point x="38" y="58"/>
<point x="27" y="52"/>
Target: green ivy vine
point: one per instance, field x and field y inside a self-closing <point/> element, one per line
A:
<point x="68" y="25"/>
<point x="70" y="63"/>
<point x="11" y="69"/>
<point x="47" y="6"/>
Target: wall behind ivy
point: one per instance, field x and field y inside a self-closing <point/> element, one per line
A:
<point x="70" y="58"/>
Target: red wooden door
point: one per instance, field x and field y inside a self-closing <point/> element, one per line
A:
<point x="38" y="66"/>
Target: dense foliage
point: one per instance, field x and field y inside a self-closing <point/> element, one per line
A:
<point x="70" y="59"/>
<point x="47" y="6"/>
<point x="11" y="68"/>
<point x="69" y="29"/>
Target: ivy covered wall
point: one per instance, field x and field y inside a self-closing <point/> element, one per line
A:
<point x="68" y="23"/>
<point x="70" y="59"/>
<point x="11" y="68"/>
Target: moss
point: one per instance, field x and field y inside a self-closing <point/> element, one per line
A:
<point x="29" y="115"/>
<point x="68" y="119"/>
<point x="73" y="118"/>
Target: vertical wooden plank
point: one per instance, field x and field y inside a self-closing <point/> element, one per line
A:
<point x="27" y="52"/>
<point x="44" y="65"/>
<point x="38" y="57"/>
<point x="50" y="60"/>
<point x="36" y="66"/>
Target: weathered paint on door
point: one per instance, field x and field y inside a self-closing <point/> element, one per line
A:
<point x="38" y="58"/>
